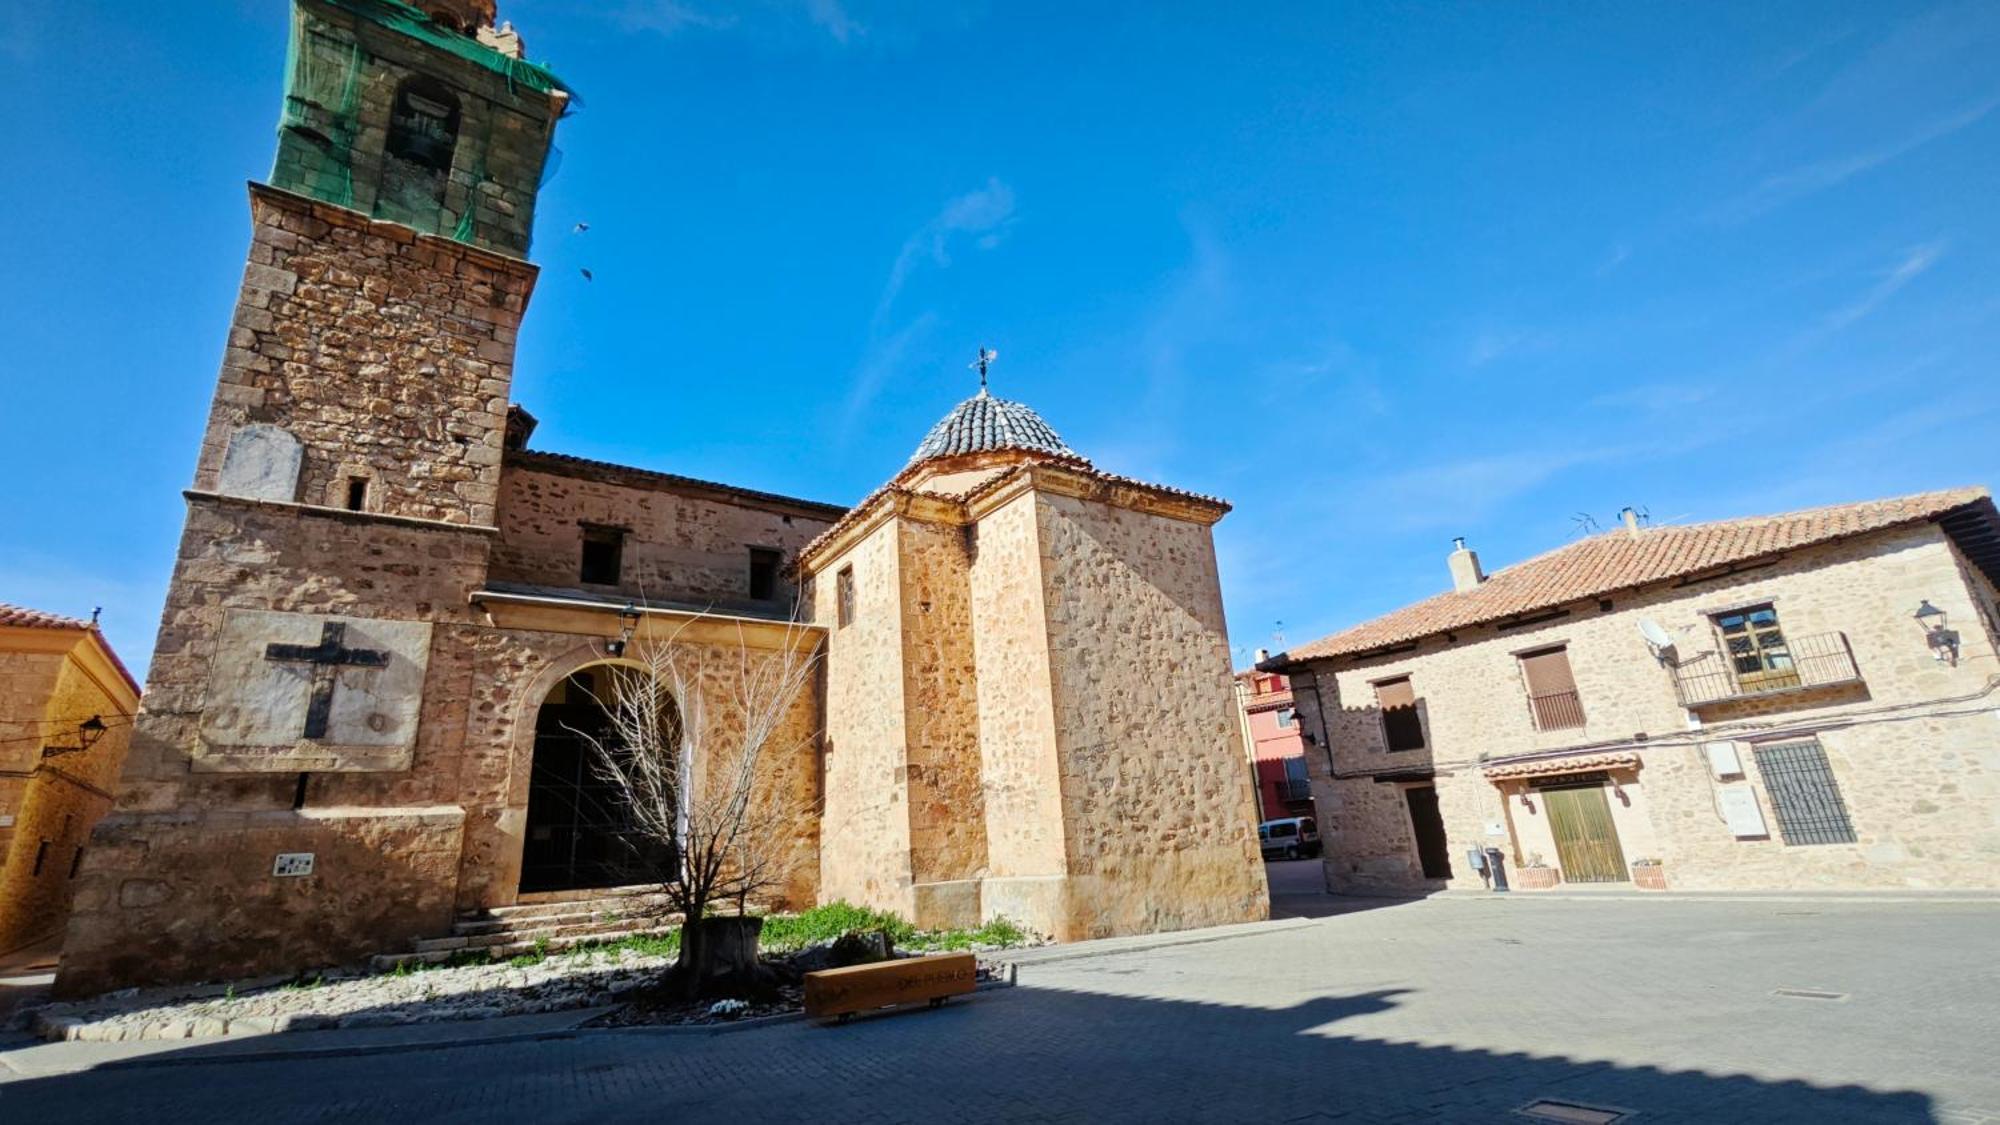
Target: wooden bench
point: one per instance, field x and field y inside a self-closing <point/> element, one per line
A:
<point x="862" y="988"/>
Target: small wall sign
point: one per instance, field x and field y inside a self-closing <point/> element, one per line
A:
<point x="291" y="865"/>
<point x="1741" y="812"/>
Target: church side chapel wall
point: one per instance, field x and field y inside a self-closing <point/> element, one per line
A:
<point x="865" y="833"/>
<point x="64" y="795"/>
<point x="1158" y="805"/>
<point x="1027" y="855"/>
<point x="947" y="830"/>
<point x="677" y="547"/>
<point x="388" y="356"/>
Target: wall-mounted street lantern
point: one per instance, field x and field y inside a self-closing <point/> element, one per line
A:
<point x="1943" y="641"/>
<point x="628" y="623"/>
<point x="87" y="734"/>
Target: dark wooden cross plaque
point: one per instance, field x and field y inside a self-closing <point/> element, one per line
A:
<point x="327" y="657"/>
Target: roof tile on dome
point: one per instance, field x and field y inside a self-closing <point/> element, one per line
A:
<point x="1619" y="560"/>
<point x="982" y="424"/>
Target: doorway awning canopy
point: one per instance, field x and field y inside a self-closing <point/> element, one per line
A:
<point x="1567" y="763"/>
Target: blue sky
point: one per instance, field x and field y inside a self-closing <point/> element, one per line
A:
<point x="1381" y="274"/>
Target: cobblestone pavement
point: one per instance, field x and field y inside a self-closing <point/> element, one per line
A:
<point x="1442" y="1010"/>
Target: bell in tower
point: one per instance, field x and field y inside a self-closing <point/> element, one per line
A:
<point x="426" y="117"/>
<point x="463" y="16"/>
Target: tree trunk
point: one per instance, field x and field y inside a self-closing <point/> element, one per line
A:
<point x="719" y="960"/>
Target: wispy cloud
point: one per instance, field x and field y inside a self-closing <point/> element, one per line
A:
<point x="1498" y="343"/>
<point x="978" y="218"/>
<point x="981" y="215"/>
<point x="1466" y="491"/>
<point x="1655" y="398"/>
<point x="834" y="20"/>
<point x="1796" y="183"/>
<point x="1914" y="264"/>
<point x="788" y="22"/>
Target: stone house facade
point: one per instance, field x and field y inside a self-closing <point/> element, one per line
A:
<point x="66" y="707"/>
<point x="1750" y="704"/>
<point x="389" y="616"/>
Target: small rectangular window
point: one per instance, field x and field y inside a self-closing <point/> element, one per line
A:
<point x="843" y="596"/>
<point x="764" y="564"/>
<point x="1402" y="723"/>
<point x="1287" y="717"/>
<point x="41" y="856"/>
<point x="1804" y="794"/>
<point x="76" y="861"/>
<point x="357" y="494"/>
<point x="603" y="551"/>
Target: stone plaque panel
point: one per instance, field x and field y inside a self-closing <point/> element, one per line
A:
<point x="292" y="692"/>
<point x="261" y="463"/>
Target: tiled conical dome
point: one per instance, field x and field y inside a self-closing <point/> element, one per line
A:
<point x="983" y="423"/>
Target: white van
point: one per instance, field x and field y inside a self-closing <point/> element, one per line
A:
<point x="1290" y="837"/>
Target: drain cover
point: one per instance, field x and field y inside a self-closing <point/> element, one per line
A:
<point x="1808" y="994"/>
<point x="1572" y="1113"/>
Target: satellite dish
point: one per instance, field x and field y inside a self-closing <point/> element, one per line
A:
<point x="1657" y="638"/>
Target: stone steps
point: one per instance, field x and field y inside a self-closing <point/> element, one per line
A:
<point x="554" y="921"/>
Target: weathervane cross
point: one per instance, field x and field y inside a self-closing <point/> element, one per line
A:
<point x="985" y="360"/>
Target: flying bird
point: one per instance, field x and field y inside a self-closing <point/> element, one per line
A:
<point x="588" y="276"/>
<point x="580" y="228"/>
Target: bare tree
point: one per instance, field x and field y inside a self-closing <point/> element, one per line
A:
<point x="695" y="734"/>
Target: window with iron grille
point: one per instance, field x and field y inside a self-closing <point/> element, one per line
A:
<point x="1804" y="794"/>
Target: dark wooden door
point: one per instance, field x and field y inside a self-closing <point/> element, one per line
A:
<point x="578" y="824"/>
<point x="1428" y="825"/>
<point x="1586" y="840"/>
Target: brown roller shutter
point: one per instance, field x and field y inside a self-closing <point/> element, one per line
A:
<point x="1548" y="671"/>
<point x="1395" y="693"/>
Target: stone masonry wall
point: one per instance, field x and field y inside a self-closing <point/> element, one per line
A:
<point x="27" y="678"/>
<point x="947" y="828"/>
<point x="1158" y="807"/>
<point x="1915" y="751"/>
<point x="386" y="354"/>
<point x="60" y="798"/>
<point x="679" y="548"/>
<point x="865" y="830"/>
<point x="1027" y="854"/>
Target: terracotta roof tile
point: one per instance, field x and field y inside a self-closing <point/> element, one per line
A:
<point x="1619" y="560"/>
<point x="23" y="618"/>
<point x="983" y="424"/>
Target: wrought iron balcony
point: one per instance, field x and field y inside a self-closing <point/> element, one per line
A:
<point x="1820" y="660"/>
<point x="1556" y="710"/>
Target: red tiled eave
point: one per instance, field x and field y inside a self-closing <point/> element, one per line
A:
<point x="1619" y="560"/>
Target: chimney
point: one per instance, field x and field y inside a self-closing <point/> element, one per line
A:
<point x="1465" y="572"/>
<point x="1631" y="518"/>
<point x="1263" y="654"/>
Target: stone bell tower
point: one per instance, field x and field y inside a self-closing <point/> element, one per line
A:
<point x="287" y="796"/>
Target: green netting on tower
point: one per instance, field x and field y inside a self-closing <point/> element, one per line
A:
<point x="410" y="21"/>
<point x="322" y="97"/>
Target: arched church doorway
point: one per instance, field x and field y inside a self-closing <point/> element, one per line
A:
<point x="581" y="830"/>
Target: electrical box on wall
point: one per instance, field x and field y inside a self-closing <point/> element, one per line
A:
<point x="1742" y="813"/>
<point x="291" y="865"/>
<point x="1723" y="760"/>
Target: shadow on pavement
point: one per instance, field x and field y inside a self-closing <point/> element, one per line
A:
<point x="1026" y="1053"/>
